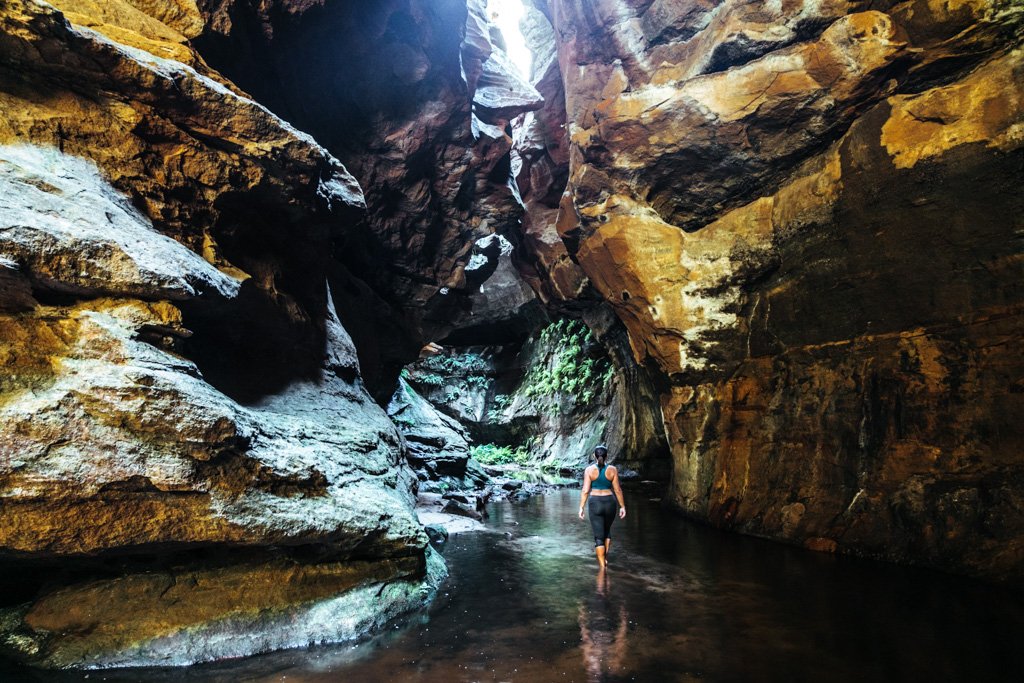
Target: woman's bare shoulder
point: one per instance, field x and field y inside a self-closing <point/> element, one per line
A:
<point x="611" y="469"/>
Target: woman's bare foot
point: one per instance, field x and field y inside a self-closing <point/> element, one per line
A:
<point x="600" y="556"/>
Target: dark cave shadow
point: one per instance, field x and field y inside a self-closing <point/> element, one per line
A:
<point x="255" y="345"/>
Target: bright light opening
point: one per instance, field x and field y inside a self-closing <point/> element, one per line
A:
<point x="505" y="14"/>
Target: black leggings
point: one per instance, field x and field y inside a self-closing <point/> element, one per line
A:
<point x="602" y="514"/>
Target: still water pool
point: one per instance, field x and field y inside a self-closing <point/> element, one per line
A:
<point x="679" y="602"/>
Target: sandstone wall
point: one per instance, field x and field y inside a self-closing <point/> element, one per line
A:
<point x="808" y="216"/>
<point x="191" y="466"/>
<point x="415" y="98"/>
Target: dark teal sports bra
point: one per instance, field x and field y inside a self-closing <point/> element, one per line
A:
<point x="602" y="483"/>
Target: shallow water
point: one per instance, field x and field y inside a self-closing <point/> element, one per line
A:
<point x="680" y="602"/>
<point x="532" y="476"/>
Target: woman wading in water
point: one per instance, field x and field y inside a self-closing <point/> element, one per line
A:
<point x="599" y="483"/>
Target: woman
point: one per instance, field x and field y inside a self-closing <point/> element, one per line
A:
<point x="599" y="483"/>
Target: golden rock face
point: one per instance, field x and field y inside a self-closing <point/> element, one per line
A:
<point x="177" y="382"/>
<point x="186" y="615"/>
<point x="805" y="215"/>
<point x="158" y="28"/>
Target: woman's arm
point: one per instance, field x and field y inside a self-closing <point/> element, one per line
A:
<point x="586" y="490"/>
<point x="618" y="491"/>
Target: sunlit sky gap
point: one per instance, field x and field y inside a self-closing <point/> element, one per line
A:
<point x="505" y="14"/>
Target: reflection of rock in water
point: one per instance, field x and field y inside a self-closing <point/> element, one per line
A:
<point x="604" y="626"/>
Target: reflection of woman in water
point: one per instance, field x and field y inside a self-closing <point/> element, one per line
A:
<point x="600" y="481"/>
<point x="603" y="633"/>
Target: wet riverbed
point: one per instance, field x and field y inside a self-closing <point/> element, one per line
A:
<point x="679" y="602"/>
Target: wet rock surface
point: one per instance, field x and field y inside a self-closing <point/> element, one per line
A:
<point x="552" y="398"/>
<point x="182" y="410"/>
<point x="454" y="511"/>
<point x="678" y="597"/>
<point x="437" y="446"/>
<point x="186" y="615"/>
<point x="804" y="215"/>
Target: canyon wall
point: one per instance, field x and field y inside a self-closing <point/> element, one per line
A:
<point x="415" y="98"/>
<point x="808" y="217"/>
<point x="193" y="465"/>
<point x="792" y="228"/>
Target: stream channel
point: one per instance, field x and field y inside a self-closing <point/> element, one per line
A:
<point x="679" y="602"/>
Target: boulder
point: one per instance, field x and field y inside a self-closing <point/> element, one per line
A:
<point x="455" y="508"/>
<point x="437" y="534"/>
<point x="437" y="445"/>
<point x="75" y="234"/>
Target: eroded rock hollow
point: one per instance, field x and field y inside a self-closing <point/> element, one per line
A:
<point x="771" y="250"/>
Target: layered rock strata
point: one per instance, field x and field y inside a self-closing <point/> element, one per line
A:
<point x="438" y="446"/>
<point x="183" y="414"/>
<point x="184" y="615"/>
<point x="415" y="98"/>
<point x="807" y="216"/>
<point x="541" y="164"/>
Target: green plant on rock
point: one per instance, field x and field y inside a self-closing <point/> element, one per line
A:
<point x="462" y="364"/>
<point x="403" y="421"/>
<point x="430" y="379"/>
<point x="568" y="372"/>
<point x="498" y="405"/>
<point x="492" y="454"/>
<point x="467" y="370"/>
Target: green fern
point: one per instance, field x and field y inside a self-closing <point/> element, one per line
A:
<point x="569" y="373"/>
<point x="491" y="454"/>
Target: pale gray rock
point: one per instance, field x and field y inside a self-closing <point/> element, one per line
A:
<point x="437" y="444"/>
<point x="502" y="89"/>
<point x="64" y="224"/>
<point x="155" y="223"/>
<point x="540" y="39"/>
<point x="125" y="444"/>
<point x="476" y="44"/>
<point x="188" y="616"/>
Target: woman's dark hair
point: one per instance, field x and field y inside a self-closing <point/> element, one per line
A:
<point x="601" y="452"/>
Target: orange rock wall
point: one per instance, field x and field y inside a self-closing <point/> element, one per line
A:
<point x="808" y="217"/>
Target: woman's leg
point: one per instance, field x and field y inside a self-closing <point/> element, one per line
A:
<point x="609" y="519"/>
<point x="602" y="512"/>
